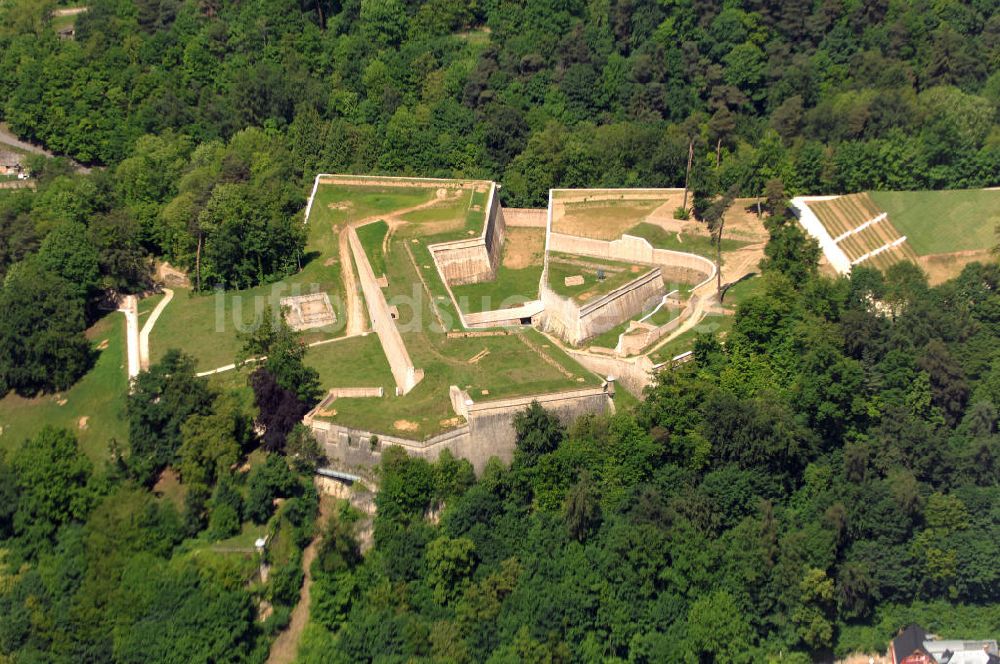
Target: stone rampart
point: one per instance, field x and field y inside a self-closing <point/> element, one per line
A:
<point x="503" y="317"/>
<point x="473" y="260"/>
<point x="403" y="371"/>
<point x="576" y="323"/>
<point x="633" y="373"/>
<point x="489" y="432"/>
<point x="525" y="217"/>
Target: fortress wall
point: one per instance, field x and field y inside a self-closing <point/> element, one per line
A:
<point x="631" y="249"/>
<point x="631" y="344"/>
<point x="576" y="323"/>
<point x="403" y="371"/>
<point x="525" y="217"/>
<point x="633" y="374"/>
<point x="473" y="260"/>
<point x="489" y="433"/>
<point x="811" y="223"/>
<point x="355" y="392"/>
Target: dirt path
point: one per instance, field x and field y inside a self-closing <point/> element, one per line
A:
<point x="286" y="647"/>
<point x="69" y="11"/>
<point x="8" y="138"/>
<point x="148" y="327"/>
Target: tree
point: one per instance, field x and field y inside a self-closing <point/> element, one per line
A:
<point x="715" y="218"/>
<point x="161" y="401"/>
<point x="42" y="347"/>
<point x="582" y="509"/>
<point x="717" y="629"/>
<point x="279" y="409"/>
<point x="52" y="479"/>
<point x="284" y="351"/>
<point x="267" y="481"/>
<point x="450" y="564"/>
<point x="537" y="432"/>
<point x="212" y="444"/>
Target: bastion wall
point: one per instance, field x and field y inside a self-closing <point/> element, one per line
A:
<point x="403" y="371"/>
<point x="475" y="259"/>
<point x="576" y="322"/>
<point x="489" y="431"/>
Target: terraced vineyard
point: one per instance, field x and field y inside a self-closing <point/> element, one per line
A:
<point x="863" y="231"/>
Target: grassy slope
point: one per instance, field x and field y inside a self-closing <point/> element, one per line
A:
<point x="99" y="395"/>
<point x="938" y="222"/>
<point x="371" y="236"/>
<point x="688" y="242"/>
<point x="511" y="288"/>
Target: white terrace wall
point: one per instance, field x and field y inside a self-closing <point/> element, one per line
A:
<point x="489" y="432"/>
<point x="811" y="223"/>
<point x="575" y="322"/>
<point x="403" y="371"/>
<point x="632" y="373"/>
<point x="473" y="260"/>
<point x="676" y="265"/>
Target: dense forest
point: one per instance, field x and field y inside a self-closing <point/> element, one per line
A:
<point x="826" y="475"/>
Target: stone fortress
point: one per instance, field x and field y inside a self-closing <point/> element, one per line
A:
<point x="594" y="277"/>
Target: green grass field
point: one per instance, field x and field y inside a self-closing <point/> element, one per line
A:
<point x="206" y="325"/>
<point x="615" y="275"/>
<point x="742" y="290"/>
<point x="371" y="237"/>
<point x="99" y="396"/>
<point x="687" y="242"/>
<point x="937" y="222"/>
<point x="510" y="289"/>
<point x="609" y="339"/>
<point x="336" y="204"/>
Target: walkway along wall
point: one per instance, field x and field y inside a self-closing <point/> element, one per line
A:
<point x="473" y="260"/>
<point x="488" y="433"/>
<point x="577" y="322"/>
<point x="403" y="371"/>
<point x="642" y="335"/>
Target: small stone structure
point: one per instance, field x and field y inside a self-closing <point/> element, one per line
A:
<point x="575" y="280"/>
<point x="305" y="312"/>
<point x="474" y="260"/>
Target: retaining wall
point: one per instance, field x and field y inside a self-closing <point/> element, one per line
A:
<point x="811" y="223"/>
<point x="503" y="317"/>
<point x="489" y="432"/>
<point x="525" y="217"/>
<point x="576" y="323"/>
<point x="403" y="371"/>
<point x="631" y="249"/>
<point x="473" y="260"/>
<point x="634" y="373"/>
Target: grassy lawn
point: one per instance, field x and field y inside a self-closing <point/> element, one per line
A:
<point x="936" y="222"/>
<point x="354" y="362"/>
<point x="371" y="236"/>
<point x="743" y="290"/>
<point x="206" y="325"/>
<point x="453" y="209"/>
<point x="687" y="242"/>
<point x="99" y="396"/>
<point x="337" y="203"/>
<point x="488" y="367"/>
<point x="603" y="219"/>
<point x="511" y="288"/>
<point x="615" y="275"/>
<point x="609" y="339"/>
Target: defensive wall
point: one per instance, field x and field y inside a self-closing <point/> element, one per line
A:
<point x="403" y="371"/>
<point x="473" y="260"/>
<point x="489" y="431"/>
<point x="632" y="373"/>
<point x="676" y="265"/>
<point x="811" y="223"/>
<point x="640" y="335"/>
<point x="525" y="217"/>
<point x="577" y="322"/>
<point x="503" y="317"/>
